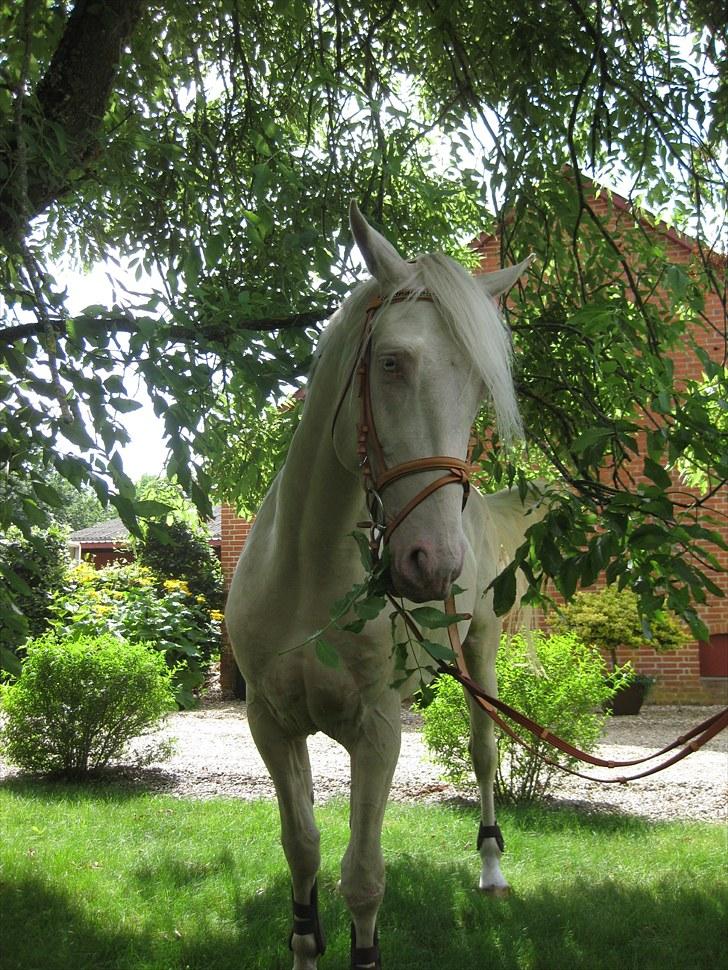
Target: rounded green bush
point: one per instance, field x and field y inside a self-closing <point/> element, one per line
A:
<point x="564" y="690"/>
<point x="79" y="702"/>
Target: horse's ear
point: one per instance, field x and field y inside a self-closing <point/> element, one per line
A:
<point x="503" y="279"/>
<point x="382" y="259"/>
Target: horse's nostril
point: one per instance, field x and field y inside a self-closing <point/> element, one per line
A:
<point x="420" y="562"/>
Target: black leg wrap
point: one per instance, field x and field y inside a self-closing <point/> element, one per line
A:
<point x="306" y="920"/>
<point x="491" y="832"/>
<point x="365" y="956"/>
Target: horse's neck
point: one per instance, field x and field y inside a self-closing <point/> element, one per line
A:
<point x="318" y="500"/>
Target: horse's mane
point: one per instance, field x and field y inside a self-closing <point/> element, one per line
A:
<point x="471" y="317"/>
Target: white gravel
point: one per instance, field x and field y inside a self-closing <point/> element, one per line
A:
<point x="215" y="756"/>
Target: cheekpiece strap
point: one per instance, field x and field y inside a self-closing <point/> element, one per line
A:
<point x="491" y="832"/>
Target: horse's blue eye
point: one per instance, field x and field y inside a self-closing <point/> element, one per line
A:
<point x="389" y="364"/>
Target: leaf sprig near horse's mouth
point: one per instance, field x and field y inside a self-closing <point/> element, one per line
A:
<point x="366" y="600"/>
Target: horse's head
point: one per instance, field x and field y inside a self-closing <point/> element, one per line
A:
<point x="430" y="358"/>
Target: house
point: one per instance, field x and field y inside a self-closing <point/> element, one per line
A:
<point x="106" y="542"/>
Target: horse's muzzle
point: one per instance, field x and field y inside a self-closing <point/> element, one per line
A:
<point x="422" y="573"/>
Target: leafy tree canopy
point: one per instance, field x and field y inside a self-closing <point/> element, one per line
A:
<point x="211" y="148"/>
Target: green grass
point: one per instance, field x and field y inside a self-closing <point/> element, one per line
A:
<point x="95" y="878"/>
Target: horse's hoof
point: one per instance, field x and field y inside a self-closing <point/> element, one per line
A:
<point x="496" y="892"/>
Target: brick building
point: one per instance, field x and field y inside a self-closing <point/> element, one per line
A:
<point x="697" y="673"/>
<point x="107" y="542"/>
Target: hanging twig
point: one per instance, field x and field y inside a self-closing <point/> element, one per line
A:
<point x="32" y="269"/>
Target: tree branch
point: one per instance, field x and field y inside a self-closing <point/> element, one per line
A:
<point x="72" y="98"/>
<point x="122" y="324"/>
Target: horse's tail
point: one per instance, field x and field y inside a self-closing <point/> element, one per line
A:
<point x="512" y="516"/>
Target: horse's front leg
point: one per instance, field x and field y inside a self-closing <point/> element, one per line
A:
<point x="374" y="755"/>
<point x="480" y="649"/>
<point x="288" y="763"/>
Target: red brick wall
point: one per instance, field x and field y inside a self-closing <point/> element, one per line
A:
<point x="678" y="672"/>
<point x="234" y="531"/>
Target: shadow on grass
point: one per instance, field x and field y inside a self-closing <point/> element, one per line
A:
<point x="44" y="929"/>
<point x="432" y="918"/>
<point x="599" y="926"/>
<point x="112" y="784"/>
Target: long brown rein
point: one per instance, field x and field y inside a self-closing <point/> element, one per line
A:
<point x="377" y="476"/>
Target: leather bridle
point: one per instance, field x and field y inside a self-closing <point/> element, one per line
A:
<point x="372" y="463"/>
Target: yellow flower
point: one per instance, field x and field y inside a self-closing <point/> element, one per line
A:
<point x="84" y="572"/>
<point x="216" y="616"/>
<point x="199" y="599"/>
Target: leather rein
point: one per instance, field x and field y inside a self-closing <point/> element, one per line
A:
<point x="377" y="477"/>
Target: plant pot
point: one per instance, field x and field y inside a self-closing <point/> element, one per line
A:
<point x="629" y="699"/>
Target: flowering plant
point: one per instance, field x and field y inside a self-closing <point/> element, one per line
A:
<point x="131" y="603"/>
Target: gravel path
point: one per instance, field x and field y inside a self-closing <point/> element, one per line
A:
<point x="215" y="756"/>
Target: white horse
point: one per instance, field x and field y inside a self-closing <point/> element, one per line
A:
<point x="435" y="348"/>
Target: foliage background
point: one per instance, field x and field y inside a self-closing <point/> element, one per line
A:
<point x="132" y="603"/>
<point x="207" y="153"/>
<point x="557" y="681"/>
<point x="33" y="569"/>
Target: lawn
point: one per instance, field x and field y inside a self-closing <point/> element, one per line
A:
<point x="98" y="878"/>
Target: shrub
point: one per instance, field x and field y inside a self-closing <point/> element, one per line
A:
<point x="609" y="618"/>
<point x="566" y="696"/>
<point x="127" y="601"/>
<point x="32" y="569"/>
<point x="78" y="703"/>
<point x="178" y="553"/>
<point x="175" y="550"/>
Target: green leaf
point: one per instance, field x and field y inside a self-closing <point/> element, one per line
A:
<point x="150" y="507"/>
<point x="355" y="627"/>
<point x="77" y="434"/>
<point x="504" y="590"/>
<point x="370" y="608"/>
<point x="48" y="494"/>
<point x="589" y="438"/>
<point x="438" y="651"/>
<point x="697" y="627"/>
<point x="327" y="654"/>
<point x="125" y="405"/>
<point x="568" y="577"/>
<point x="657" y="473"/>
<point x="15" y="581"/>
<point x="365" y="553"/>
<point x="434" y="619"/>
<point x="648" y="536"/>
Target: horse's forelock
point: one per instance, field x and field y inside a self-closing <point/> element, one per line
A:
<point x="476" y="326"/>
<point x="472" y="319"/>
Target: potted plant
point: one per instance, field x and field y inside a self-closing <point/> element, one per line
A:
<point x="631" y="690"/>
<point x="608" y="619"/>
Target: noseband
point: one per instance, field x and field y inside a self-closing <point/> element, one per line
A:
<point x="377" y="476"/>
